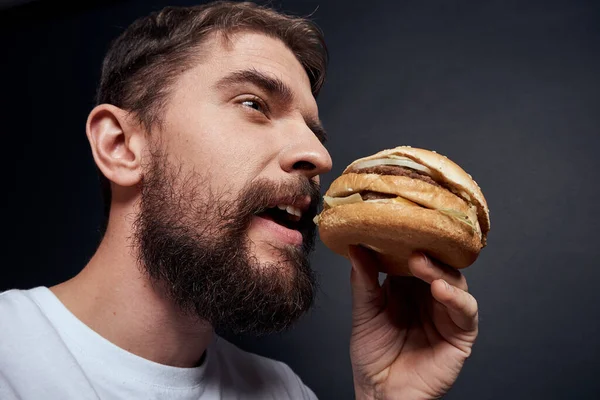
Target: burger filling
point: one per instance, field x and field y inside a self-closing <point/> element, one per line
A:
<point x="399" y="166"/>
<point x="395" y="170"/>
<point x="376" y="197"/>
<point x="368" y="195"/>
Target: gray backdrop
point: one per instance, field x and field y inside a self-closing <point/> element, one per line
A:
<point x="508" y="89"/>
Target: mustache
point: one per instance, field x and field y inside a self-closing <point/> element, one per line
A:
<point x="263" y="193"/>
<point x="292" y="191"/>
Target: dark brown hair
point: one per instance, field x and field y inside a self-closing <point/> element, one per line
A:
<point x="142" y="64"/>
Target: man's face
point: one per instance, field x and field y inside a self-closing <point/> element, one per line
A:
<point x="230" y="189"/>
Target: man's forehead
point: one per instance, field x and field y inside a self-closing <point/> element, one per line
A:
<point x="253" y="50"/>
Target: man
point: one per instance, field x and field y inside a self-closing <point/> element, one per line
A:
<point x="208" y="139"/>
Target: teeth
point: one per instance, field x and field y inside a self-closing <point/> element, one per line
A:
<point x="294" y="211"/>
<point x="290" y="209"/>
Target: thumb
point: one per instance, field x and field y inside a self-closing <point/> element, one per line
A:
<point x="364" y="279"/>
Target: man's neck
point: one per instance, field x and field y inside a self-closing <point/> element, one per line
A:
<point x="114" y="298"/>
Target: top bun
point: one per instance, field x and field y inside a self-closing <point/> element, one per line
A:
<point x="447" y="172"/>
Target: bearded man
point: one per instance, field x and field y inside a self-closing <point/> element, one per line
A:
<point x="207" y="137"/>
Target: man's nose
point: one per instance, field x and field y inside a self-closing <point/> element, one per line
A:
<point x="305" y="154"/>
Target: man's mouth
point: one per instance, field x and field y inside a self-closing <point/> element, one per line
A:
<point x="286" y="215"/>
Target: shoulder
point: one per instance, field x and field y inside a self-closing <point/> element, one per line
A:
<point x="256" y="371"/>
<point x="20" y="314"/>
<point x="23" y="319"/>
<point x="15" y="304"/>
<point x="24" y="325"/>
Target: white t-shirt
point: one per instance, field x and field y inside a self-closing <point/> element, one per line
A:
<point x="47" y="353"/>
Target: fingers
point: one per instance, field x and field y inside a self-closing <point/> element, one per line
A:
<point x="364" y="278"/>
<point x="428" y="270"/>
<point x="462" y="306"/>
<point x="448" y="287"/>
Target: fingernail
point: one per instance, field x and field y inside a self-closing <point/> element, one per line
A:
<point x="425" y="258"/>
<point x="448" y="287"/>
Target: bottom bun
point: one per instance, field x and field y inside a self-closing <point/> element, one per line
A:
<point x="395" y="232"/>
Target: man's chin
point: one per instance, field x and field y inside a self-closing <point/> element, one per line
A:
<point x="276" y="256"/>
<point x="284" y="289"/>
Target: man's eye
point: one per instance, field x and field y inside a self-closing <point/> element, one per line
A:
<point x="255" y="104"/>
<point x="252" y="104"/>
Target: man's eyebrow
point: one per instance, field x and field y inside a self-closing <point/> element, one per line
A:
<point x="274" y="87"/>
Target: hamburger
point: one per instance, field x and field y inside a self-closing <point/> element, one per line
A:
<point x="405" y="200"/>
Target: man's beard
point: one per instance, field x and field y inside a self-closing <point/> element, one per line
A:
<point x="194" y="246"/>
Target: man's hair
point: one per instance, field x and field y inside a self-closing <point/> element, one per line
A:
<point x="143" y="63"/>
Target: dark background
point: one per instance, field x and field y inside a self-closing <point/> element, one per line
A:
<point x="510" y="90"/>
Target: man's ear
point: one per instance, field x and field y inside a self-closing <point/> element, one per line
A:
<point x="117" y="143"/>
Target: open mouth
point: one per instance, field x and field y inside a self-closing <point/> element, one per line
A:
<point x="283" y="214"/>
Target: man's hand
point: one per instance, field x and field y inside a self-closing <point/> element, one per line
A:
<point x="411" y="335"/>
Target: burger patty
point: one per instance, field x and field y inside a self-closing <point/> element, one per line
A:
<point x="367" y="195"/>
<point x="395" y="170"/>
